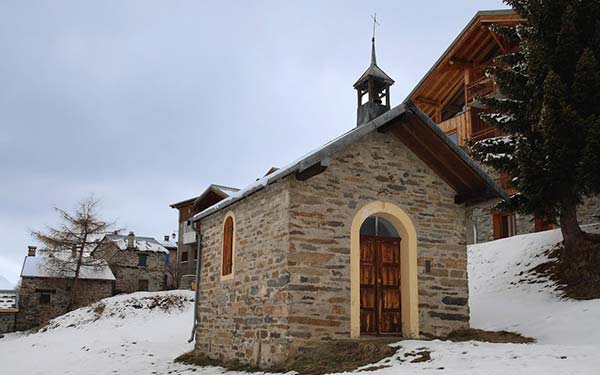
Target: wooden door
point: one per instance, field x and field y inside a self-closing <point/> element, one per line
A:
<point x="380" y="307"/>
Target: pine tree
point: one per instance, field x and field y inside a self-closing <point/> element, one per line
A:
<point x="550" y="110"/>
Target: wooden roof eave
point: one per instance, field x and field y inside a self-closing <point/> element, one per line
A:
<point x="447" y="159"/>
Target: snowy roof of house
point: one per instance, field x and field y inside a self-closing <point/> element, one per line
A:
<point x="418" y="132"/>
<point x="62" y="265"/>
<point x="221" y="190"/>
<point x="139" y="243"/>
<point x="5" y="284"/>
<point x="8" y="300"/>
<point x="171" y="243"/>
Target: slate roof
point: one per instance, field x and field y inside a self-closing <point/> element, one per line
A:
<point x="140" y="243"/>
<point x="407" y="115"/>
<point x="63" y="266"/>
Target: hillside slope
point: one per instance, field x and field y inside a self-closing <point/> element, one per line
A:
<point x="142" y="333"/>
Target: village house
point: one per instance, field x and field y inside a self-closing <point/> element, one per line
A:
<point x="138" y="263"/>
<point x="187" y="249"/>
<point x="170" y="243"/>
<point x="9" y="307"/>
<point x="449" y="94"/>
<point x="364" y="236"/>
<point x="46" y="282"/>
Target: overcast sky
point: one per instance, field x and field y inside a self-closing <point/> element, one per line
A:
<point x="145" y="103"/>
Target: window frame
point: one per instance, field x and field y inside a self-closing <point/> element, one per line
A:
<point x="42" y="298"/>
<point x="497" y="218"/>
<point x="230" y="275"/>
<point x="140" y="257"/>
<point x="186" y="257"/>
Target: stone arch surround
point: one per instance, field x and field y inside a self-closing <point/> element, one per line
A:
<point x="408" y="268"/>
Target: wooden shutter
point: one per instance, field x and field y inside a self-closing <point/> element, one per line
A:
<point x="227" y="246"/>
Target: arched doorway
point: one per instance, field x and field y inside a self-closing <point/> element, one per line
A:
<point x="383" y="263"/>
<point x="380" y="305"/>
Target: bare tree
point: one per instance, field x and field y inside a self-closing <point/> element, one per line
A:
<point x="69" y="244"/>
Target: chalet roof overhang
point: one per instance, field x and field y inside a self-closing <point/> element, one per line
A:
<point x="213" y="191"/>
<point x="418" y="132"/>
<point x="470" y="49"/>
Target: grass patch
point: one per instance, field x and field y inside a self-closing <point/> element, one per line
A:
<point x="325" y="358"/>
<point x="500" y="337"/>
<point x="199" y="359"/>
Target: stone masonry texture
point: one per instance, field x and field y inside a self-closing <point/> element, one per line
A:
<point x="291" y="283"/>
<point x="34" y="314"/>
<point x="124" y="265"/>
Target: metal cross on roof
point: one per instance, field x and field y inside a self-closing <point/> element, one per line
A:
<point x="375" y="23"/>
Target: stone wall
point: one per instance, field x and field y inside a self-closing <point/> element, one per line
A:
<point x="124" y="265"/>
<point x="480" y="219"/>
<point x="377" y="168"/>
<point x="291" y="283"/>
<point x="245" y="317"/>
<point x="33" y="314"/>
<point x="7" y="321"/>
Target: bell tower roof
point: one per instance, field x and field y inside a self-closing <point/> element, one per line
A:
<point x="374" y="71"/>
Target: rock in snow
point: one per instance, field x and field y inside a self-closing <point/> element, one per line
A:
<point x="142" y="333"/>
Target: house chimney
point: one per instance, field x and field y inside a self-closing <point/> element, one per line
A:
<point x="130" y="240"/>
<point x="31" y="251"/>
<point x="167" y="238"/>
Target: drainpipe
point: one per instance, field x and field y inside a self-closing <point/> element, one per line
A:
<point x="197" y="229"/>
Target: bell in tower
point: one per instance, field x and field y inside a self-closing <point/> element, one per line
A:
<point x="373" y="89"/>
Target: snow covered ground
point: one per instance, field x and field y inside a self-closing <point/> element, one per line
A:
<point x="136" y="334"/>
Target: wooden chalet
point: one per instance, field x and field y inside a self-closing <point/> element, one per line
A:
<point x="448" y="93"/>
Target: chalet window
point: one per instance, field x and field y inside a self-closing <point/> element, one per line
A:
<point x="504" y="224"/>
<point x="167" y="259"/>
<point x="184" y="256"/>
<point x="142" y="260"/>
<point x="45" y="298"/>
<point x="143" y="285"/>
<point x="541" y="225"/>
<point x="228" y="246"/>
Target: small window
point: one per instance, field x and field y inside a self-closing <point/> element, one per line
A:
<point x="142" y="260"/>
<point x="504" y="224"/>
<point x="227" y="255"/>
<point x="165" y="280"/>
<point x="184" y="256"/>
<point x="143" y="285"/>
<point x="167" y="259"/>
<point x="45" y="298"/>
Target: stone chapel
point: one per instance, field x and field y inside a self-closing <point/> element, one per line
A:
<point x="365" y="236"/>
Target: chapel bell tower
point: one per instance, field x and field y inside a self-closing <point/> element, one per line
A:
<point x="373" y="89"/>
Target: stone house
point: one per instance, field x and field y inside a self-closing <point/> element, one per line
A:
<point x="45" y="288"/>
<point x="364" y="236"/>
<point x="449" y="94"/>
<point x="9" y="307"/>
<point x="187" y="249"/>
<point x="138" y="263"/>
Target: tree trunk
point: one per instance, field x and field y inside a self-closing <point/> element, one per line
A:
<point x="572" y="233"/>
<point x="77" y="271"/>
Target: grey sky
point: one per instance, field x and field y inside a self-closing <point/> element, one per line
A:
<point x="144" y="103"/>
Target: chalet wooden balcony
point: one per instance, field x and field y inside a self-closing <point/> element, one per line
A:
<point x="468" y="126"/>
<point x="481" y="87"/>
<point x="488" y="132"/>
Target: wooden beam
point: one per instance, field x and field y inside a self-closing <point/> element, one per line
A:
<point x="313" y="170"/>
<point x="460" y="63"/>
<point x="429" y="101"/>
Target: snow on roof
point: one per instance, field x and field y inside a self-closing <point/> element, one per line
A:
<point x="5" y="284"/>
<point x="322" y="154"/>
<point x="139" y="243"/>
<point x="63" y="266"/>
<point x="8" y="300"/>
<point x="171" y="242"/>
